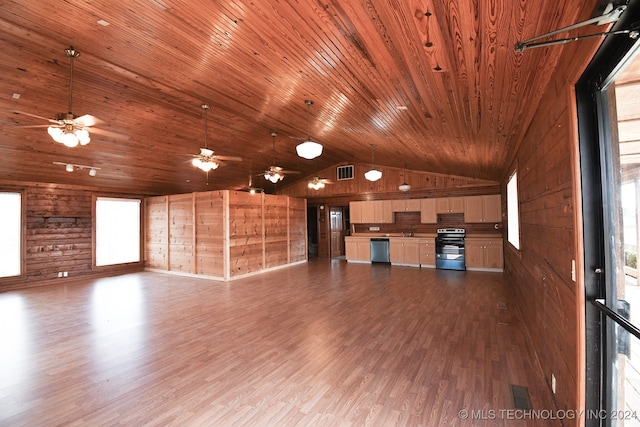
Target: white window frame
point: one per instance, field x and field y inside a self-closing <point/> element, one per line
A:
<point x="117" y="252"/>
<point x="11" y="235"/>
<point x="513" y="211"/>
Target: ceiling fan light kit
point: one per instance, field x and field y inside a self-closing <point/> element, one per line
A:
<point x="309" y="149"/>
<point x="68" y="131"/>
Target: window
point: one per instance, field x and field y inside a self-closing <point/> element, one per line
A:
<point x="608" y="119"/>
<point x="513" y="221"/>
<point x="117" y="231"/>
<point x="10" y="234"/>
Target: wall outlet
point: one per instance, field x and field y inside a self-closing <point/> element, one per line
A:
<point x="59" y="273"/>
<point x="65" y="274"/>
<point x="374" y="228"/>
<point x="573" y="270"/>
<point x="553" y="383"/>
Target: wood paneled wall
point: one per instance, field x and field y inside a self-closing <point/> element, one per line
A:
<point x="423" y="184"/>
<point x="540" y="272"/>
<point x="224" y="234"/>
<point x="58" y="235"/>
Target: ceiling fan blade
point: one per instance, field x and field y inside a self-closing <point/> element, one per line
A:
<point x="228" y="158"/>
<point x="108" y="133"/>
<point x="34" y="126"/>
<point x="290" y="172"/>
<point x="87" y="120"/>
<point x="36" y="116"/>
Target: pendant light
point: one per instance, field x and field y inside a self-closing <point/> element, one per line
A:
<point x="373" y="174"/>
<point x="404" y="186"/>
<point x="309" y="149"/>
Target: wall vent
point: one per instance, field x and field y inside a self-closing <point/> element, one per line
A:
<point x="345" y="172"/>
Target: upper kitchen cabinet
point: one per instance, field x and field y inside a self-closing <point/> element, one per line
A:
<point x="371" y="212"/>
<point x="449" y="205"/>
<point x="405" y="205"/>
<point x="382" y="211"/>
<point x="486" y="208"/>
<point x="428" y="213"/>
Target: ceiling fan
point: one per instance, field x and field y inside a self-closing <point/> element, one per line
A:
<point x="317" y="183"/>
<point x="206" y="160"/>
<point x="275" y="173"/>
<point x="67" y="128"/>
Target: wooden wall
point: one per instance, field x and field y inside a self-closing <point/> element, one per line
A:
<point x="551" y="302"/>
<point x="224" y="234"/>
<point x="58" y="235"/>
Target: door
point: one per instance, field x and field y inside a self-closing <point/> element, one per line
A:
<point x="337" y="231"/>
<point x="609" y="127"/>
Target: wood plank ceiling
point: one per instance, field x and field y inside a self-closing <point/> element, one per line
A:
<point x="435" y="84"/>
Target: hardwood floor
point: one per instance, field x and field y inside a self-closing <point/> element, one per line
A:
<point x="320" y="344"/>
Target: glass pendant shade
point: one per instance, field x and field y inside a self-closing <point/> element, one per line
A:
<point x="373" y="175"/>
<point x="69" y="137"/>
<point x="309" y="150"/>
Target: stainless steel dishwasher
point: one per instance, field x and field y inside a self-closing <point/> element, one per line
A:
<point x="380" y="251"/>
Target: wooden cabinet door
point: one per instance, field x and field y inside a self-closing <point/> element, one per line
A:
<point x="442" y="205"/>
<point x="382" y="212"/>
<point x="494" y="257"/>
<point x="492" y="208"/>
<point x="411" y="251"/>
<point x="351" y="249"/>
<point x="428" y="213"/>
<point x="398" y="205"/>
<point x="355" y="212"/>
<point x="473" y="209"/>
<point x="474" y="252"/>
<point x="364" y="249"/>
<point x="412" y="205"/>
<point x="396" y="248"/>
<point x="368" y="213"/>
<point x="427" y="251"/>
<point x="456" y="204"/>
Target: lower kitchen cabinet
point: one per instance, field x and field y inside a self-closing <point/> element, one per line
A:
<point x="427" y="252"/>
<point x="404" y="250"/>
<point x="483" y="253"/>
<point x="357" y="249"/>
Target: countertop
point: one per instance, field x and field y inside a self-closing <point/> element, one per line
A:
<point x="426" y="235"/>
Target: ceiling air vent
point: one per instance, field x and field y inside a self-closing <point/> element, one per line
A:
<point x="345" y="172"/>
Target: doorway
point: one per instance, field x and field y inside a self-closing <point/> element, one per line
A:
<point x="337" y="231"/>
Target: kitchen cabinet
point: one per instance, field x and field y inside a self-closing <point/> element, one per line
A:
<point x="404" y="250"/>
<point x="370" y="212"/>
<point x="486" y="208"/>
<point x="427" y="252"/>
<point x="357" y="249"/>
<point x="405" y="205"/>
<point x="428" y="213"/>
<point x="382" y="212"/>
<point x="449" y="205"/>
<point x="483" y="253"/>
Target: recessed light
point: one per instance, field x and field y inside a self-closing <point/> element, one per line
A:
<point x="103" y="23"/>
<point x="16" y="96"/>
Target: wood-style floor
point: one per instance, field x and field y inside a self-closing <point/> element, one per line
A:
<point x="319" y="344"/>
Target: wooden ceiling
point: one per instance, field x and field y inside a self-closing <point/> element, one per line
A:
<point x="436" y="85"/>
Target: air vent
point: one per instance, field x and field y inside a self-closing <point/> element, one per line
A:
<point x="345" y="172"/>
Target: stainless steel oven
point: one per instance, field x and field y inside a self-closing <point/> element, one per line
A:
<point x="450" y="249"/>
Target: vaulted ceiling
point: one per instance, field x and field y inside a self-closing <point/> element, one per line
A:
<point x="436" y="85"/>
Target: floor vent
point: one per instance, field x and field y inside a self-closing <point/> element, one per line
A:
<point x="520" y="396"/>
